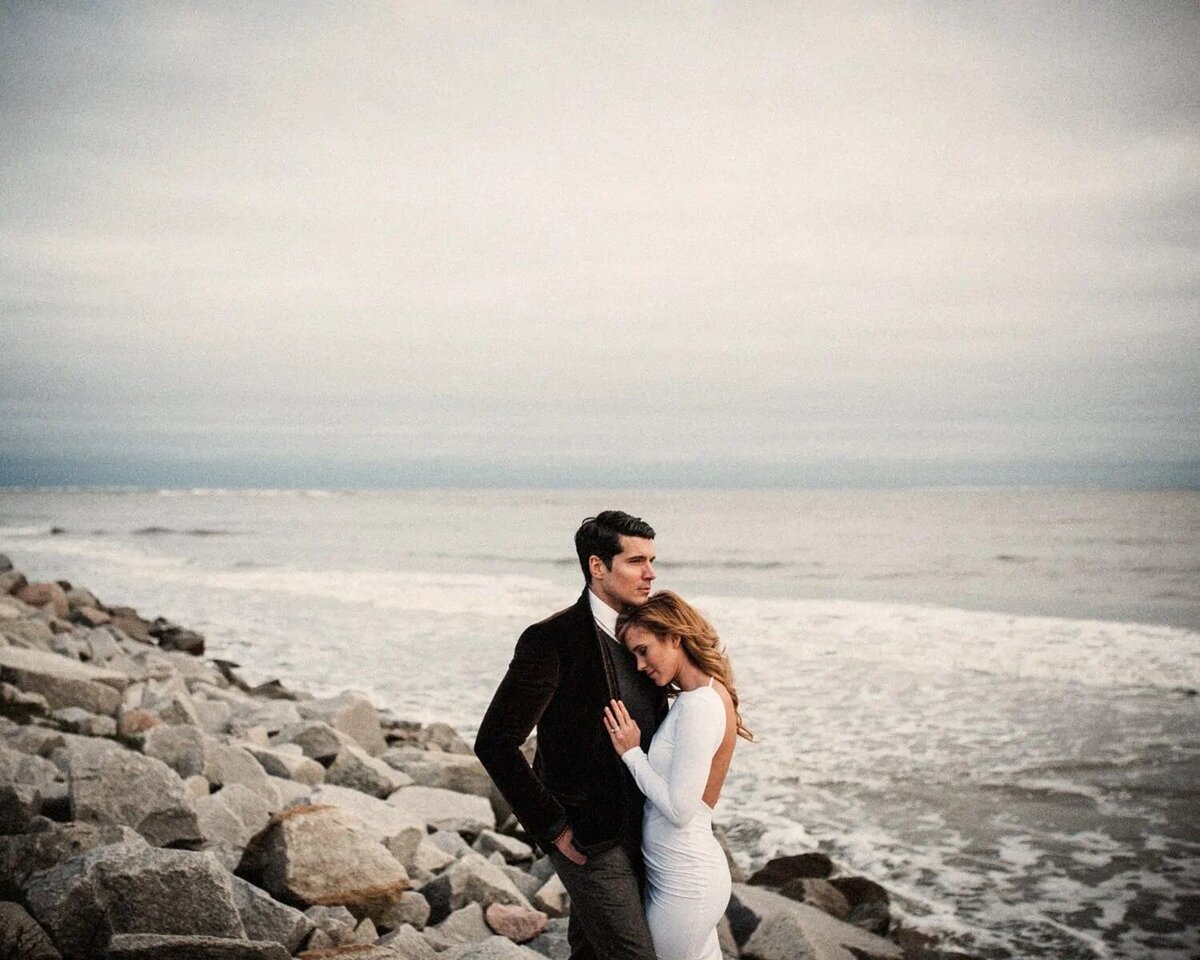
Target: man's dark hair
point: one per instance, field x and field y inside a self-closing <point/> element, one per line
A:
<point x="599" y="536"/>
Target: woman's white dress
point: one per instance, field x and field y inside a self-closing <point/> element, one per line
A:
<point x="687" y="877"/>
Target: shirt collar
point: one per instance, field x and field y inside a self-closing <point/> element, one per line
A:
<point x="604" y="615"/>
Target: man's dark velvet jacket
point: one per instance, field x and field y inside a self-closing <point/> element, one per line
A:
<point x="560" y="680"/>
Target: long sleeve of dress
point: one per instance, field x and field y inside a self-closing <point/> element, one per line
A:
<point x="699" y="730"/>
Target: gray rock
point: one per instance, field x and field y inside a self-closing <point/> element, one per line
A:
<point x="265" y="918"/>
<point x="355" y="768"/>
<point x="190" y="751"/>
<point x="527" y="883"/>
<point x="461" y="773"/>
<point x="63" y="682"/>
<point x="451" y="843"/>
<point x="446" y="810"/>
<point x="81" y="597"/>
<point x="427" y="861"/>
<point x="90" y="616"/>
<point x="553" y="941"/>
<point x="408" y="943"/>
<point x="5" y="563"/>
<point x="817" y="893"/>
<point x="465" y="925"/>
<point x="471" y="879"/>
<point x="273" y="715"/>
<point x="214" y="715"/>
<point x="396" y="829"/>
<point x="21" y="938"/>
<point x="40" y="741"/>
<point x="16" y="704"/>
<point x="552" y="898"/>
<point x="411" y="910"/>
<point x="125" y="888"/>
<point x="787" y="930"/>
<point x="280" y="762"/>
<point x="23" y="855"/>
<point x="323" y="855"/>
<point x="155" y="946"/>
<point x="78" y="720"/>
<point x="352" y="714"/>
<point x="512" y="849"/>
<point x="337" y="923"/>
<point x="494" y="948"/>
<point x="27" y="633"/>
<point x="779" y="870"/>
<point x="26" y="782"/>
<point x="109" y="784"/>
<point x="442" y="736"/>
<point x="171" y="636"/>
<point x="290" y="791"/>
<point x="229" y="819"/>
<point x="318" y="740"/>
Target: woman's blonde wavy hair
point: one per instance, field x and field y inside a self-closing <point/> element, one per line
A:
<point x="666" y="615"/>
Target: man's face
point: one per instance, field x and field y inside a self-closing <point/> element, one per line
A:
<point x="628" y="582"/>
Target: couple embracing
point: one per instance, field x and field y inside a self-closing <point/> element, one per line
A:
<point x="621" y="790"/>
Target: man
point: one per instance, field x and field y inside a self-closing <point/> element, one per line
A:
<point x="578" y="801"/>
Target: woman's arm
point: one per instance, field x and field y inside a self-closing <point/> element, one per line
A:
<point x="699" y="731"/>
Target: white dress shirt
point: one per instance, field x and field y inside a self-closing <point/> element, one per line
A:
<point x="606" y="616"/>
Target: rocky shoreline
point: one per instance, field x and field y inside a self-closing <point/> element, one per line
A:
<point x="154" y="805"/>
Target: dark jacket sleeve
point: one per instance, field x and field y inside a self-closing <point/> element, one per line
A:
<point x="516" y="707"/>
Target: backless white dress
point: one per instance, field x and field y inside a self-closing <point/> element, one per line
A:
<point x="687" y="877"/>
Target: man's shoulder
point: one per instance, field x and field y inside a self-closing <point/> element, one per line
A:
<point x="568" y="618"/>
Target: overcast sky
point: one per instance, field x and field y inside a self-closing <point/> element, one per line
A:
<point x="392" y="243"/>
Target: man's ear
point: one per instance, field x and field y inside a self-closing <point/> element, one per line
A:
<point x="596" y="567"/>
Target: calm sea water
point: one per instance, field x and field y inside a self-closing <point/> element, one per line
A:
<point x="986" y="700"/>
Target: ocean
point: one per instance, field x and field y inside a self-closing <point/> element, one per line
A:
<point x="984" y="699"/>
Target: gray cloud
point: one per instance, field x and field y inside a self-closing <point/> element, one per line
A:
<point x="842" y="232"/>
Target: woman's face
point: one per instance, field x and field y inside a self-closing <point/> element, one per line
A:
<point x="658" y="658"/>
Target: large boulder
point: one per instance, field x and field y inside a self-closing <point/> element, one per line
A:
<point x="322" y="855"/>
<point x="352" y="714"/>
<point x="109" y="784"/>
<point x="23" y="855"/>
<point x="399" y="831"/>
<point x="446" y="810"/>
<point x="782" y="929"/>
<point x="126" y="888"/>
<point x="158" y="946"/>
<point x="189" y="751"/>
<point x="459" y="772"/>
<point x="63" y="682"/>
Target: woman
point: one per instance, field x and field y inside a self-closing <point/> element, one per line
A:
<point x="687" y="877"/>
